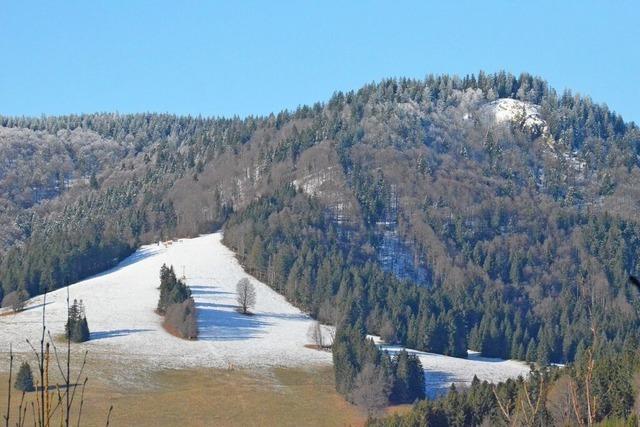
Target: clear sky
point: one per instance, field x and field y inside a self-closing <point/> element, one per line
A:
<point x="253" y="57"/>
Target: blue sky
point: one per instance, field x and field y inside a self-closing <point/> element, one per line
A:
<point x="254" y="57"/>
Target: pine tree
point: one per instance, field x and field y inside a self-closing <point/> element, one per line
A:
<point x="80" y="331"/>
<point x="457" y="336"/>
<point x="24" y="379"/>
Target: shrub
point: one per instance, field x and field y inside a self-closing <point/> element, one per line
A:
<point x="181" y="318"/>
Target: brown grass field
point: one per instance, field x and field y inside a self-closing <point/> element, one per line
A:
<point x="211" y="397"/>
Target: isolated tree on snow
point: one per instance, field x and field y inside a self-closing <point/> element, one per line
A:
<point x="80" y="331"/>
<point x="176" y="305"/>
<point x="77" y="328"/>
<point x="24" y="379"/>
<point x="246" y="295"/>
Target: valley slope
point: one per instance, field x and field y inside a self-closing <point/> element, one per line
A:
<point x="486" y="211"/>
<point x="127" y="337"/>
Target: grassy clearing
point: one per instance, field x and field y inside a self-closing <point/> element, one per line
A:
<point x="206" y="397"/>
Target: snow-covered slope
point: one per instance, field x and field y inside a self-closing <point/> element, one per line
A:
<point x="125" y="330"/>
<point x="120" y="310"/>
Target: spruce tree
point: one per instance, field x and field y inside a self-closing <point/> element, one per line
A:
<point x="408" y="383"/>
<point x="172" y="290"/>
<point x="415" y="380"/>
<point x="401" y="392"/>
<point x="80" y="331"/>
<point x="77" y="327"/>
<point x="24" y="379"/>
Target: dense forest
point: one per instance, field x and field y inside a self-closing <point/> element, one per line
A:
<point x="412" y="205"/>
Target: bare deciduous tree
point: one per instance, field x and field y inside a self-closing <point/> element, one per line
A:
<point x="246" y="295"/>
<point x="371" y="389"/>
<point x="315" y="334"/>
<point x="182" y="319"/>
<point x="16" y="300"/>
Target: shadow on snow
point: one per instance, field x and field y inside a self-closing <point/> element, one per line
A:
<point x="219" y="320"/>
<point x="101" y="335"/>
<point x="437" y="383"/>
<point x="225" y="325"/>
<point x="206" y="290"/>
<point x="34" y="307"/>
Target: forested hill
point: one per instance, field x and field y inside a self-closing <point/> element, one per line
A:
<point x="485" y="212"/>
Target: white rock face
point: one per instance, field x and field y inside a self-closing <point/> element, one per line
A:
<point x="515" y="111"/>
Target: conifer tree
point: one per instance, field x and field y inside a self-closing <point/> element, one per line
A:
<point x="176" y="305"/>
<point x="172" y="290"/>
<point x="77" y="327"/>
<point x="408" y="378"/>
<point x="24" y="379"/>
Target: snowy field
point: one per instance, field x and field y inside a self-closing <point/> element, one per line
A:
<point x="127" y="333"/>
<point x="120" y="307"/>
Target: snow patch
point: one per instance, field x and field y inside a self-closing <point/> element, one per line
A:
<point x="442" y="371"/>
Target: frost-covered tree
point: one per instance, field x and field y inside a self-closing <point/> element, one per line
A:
<point x="246" y="295"/>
